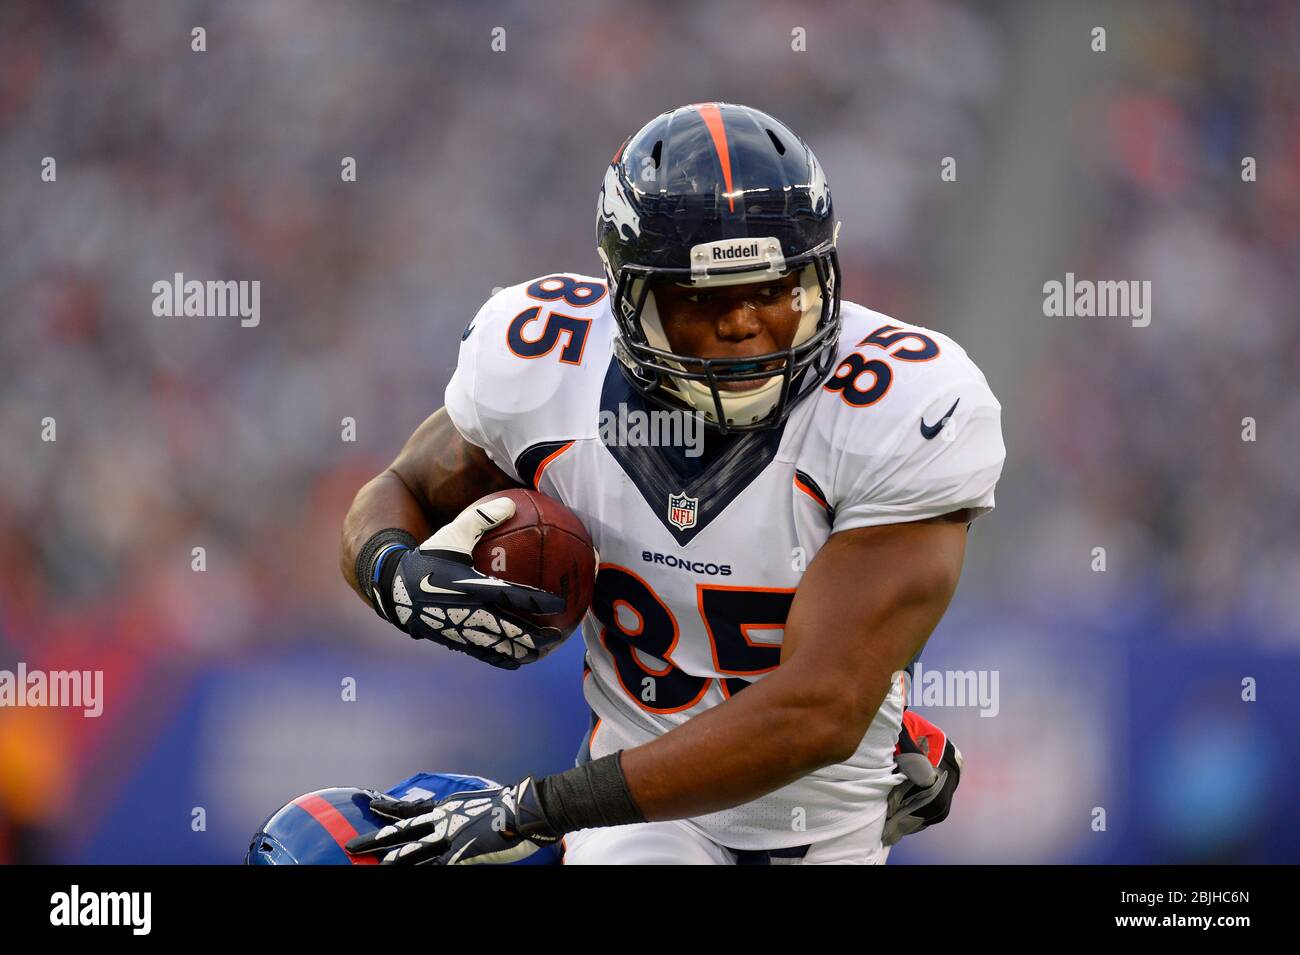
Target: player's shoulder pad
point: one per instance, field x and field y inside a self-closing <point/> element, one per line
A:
<point x="905" y="429"/>
<point x="531" y="362"/>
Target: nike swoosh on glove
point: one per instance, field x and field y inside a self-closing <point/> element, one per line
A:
<point x="438" y="595"/>
<point x="932" y="764"/>
<point x="496" y="825"/>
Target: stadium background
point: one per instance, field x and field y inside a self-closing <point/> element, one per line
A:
<point x="478" y="169"/>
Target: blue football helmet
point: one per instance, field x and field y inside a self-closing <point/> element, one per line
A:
<point x="312" y="829"/>
<point x="709" y="195"/>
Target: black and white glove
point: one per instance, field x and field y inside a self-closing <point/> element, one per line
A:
<point x="496" y="825"/>
<point x="932" y="764"/>
<point x="433" y="592"/>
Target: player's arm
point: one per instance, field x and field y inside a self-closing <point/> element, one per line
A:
<point x="436" y="476"/>
<point x="432" y="590"/>
<point x="865" y="607"/>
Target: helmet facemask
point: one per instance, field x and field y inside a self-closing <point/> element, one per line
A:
<point x="694" y="384"/>
<point x="716" y="194"/>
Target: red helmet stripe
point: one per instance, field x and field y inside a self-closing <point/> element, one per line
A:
<point x="712" y="117"/>
<point x="335" y="823"/>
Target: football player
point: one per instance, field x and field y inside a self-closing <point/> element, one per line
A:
<point x="759" y="597"/>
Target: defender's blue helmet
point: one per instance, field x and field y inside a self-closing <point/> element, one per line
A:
<point x="313" y="828"/>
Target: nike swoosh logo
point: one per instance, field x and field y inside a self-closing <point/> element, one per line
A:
<point x="429" y="588"/>
<point x="928" y="431"/>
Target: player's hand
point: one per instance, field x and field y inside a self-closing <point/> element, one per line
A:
<point x="932" y="764"/>
<point x="438" y="595"/>
<point x="497" y="825"/>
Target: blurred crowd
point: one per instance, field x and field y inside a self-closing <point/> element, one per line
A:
<point x="1172" y="445"/>
<point x="479" y="168"/>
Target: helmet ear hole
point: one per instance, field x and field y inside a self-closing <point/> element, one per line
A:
<point x="780" y="147"/>
<point x="656" y="154"/>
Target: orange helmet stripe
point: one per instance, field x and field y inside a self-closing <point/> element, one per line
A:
<point x="712" y="117"/>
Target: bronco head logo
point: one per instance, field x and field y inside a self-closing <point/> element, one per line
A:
<point x="614" y="206"/>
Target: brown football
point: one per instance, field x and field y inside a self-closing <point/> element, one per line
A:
<point x="543" y="545"/>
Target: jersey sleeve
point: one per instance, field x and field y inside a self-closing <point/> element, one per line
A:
<point x="462" y="397"/>
<point x="903" y="475"/>
<point x="507" y="402"/>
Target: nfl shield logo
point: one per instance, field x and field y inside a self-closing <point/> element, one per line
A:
<point x="681" y="510"/>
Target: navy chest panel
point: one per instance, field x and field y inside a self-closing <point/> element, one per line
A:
<point x="686" y="493"/>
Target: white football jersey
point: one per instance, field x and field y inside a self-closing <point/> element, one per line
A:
<point x="700" y="557"/>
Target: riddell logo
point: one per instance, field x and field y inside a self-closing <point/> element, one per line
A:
<point x="747" y="251"/>
<point x="728" y="255"/>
